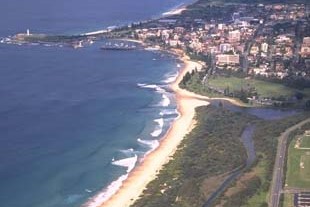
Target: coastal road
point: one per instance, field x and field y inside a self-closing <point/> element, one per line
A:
<point x="277" y="179"/>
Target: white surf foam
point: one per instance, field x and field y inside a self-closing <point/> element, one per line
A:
<point x="129" y="163"/>
<point x="108" y="192"/>
<point x="152" y="144"/>
<point x="152" y="86"/>
<point x="143" y="85"/>
<point x="171" y="78"/>
<point x="166" y="112"/>
<point x="165" y="101"/>
<point x="128" y="152"/>
<point x="158" y="128"/>
<point x="103" y="196"/>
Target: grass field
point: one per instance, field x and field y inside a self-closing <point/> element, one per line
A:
<point x="305" y="172"/>
<point x="298" y="167"/>
<point x="305" y="142"/>
<point x="264" y="89"/>
<point x="288" y="200"/>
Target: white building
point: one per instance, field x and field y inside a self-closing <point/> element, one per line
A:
<point x="264" y="47"/>
<point x="225" y="47"/>
<point x="234" y="36"/>
<point x="227" y="59"/>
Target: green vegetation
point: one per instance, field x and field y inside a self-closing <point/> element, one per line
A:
<point x="51" y="38"/>
<point x="192" y="82"/>
<point x="243" y="194"/>
<point x="276" y="94"/>
<point x="265" y="140"/>
<point x="305" y="142"/>
<point x="252" y="1"/>
<point x="298" y="166"/>
<point x="260" y="171"/>
<point x="203" y="159"/>
<point x="288" y="200"/>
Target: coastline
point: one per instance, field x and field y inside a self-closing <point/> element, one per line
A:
<point x="138" y="179"/>
<point x="132" y="187"/>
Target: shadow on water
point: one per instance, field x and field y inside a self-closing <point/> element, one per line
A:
<point x="246" y="138"/>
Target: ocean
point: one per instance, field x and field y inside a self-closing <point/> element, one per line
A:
<point x="73" y="123"/>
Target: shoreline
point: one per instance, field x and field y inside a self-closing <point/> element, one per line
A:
<point x="132" y="187"/>
<point x="138" y="179"/>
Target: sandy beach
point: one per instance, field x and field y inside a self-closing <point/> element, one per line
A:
<point x="147" y="170"/>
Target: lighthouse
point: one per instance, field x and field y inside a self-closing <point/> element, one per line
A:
<point x="28" y="32"/>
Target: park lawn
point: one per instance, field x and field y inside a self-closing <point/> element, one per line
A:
<point x="305" y="172"/>
<point x="264" y="89"/>
<point x="257" y="200"/>
<point x="297" y="177"/>
<point x="305" y="142"/>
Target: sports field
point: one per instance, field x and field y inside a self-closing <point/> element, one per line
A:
<point x="298" y="166"/>
<point x="264" y="89"/>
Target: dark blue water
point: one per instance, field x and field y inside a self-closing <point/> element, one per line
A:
<point x="65" y="114"/>
<point x="75" y="16"/>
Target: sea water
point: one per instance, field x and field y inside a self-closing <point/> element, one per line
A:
<point x="74" y="123"/>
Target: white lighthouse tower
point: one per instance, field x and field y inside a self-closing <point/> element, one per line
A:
<point x="28" y="32"/>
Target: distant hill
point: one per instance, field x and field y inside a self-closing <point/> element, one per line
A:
<point x="255" y="1"/>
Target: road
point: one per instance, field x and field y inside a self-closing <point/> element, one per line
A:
<point x="294" y="190"/>
<point x="277" y="178"/>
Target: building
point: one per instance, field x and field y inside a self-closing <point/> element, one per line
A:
<point x="234" y="36"/>
<point x="306" y="41"/>
<point x="227" y="59"/>
<point x="254" y="50"/>
<point x="264" y="47"/>
<point x="305" y="47"/>
<point x="173" y="43"/>
<point x="225" y="47"/>
<point x="305" y="51"/>
<point x="220" y="26"/>
<point x="212" y="49"/>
